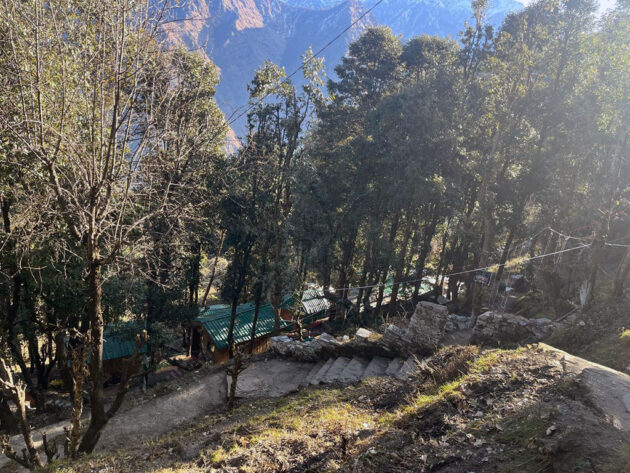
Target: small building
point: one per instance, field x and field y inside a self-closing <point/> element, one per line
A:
<point x="209" y="331"/>
<point x="119" y="343"/>
<point x="313" y="307"/>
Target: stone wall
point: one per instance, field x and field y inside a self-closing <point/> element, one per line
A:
<point x="495" y="329"/>
<point x="422" y="337"/>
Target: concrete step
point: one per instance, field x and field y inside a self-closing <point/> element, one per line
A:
<point x="408" y="367"/>
<point x="317" y="377"/>
<point x="354" y="370"/>
<point x="316" y="367"/>
<point x="394" y="366"/>
<point x="377" y="367"/>
<point x="334" y="372"/>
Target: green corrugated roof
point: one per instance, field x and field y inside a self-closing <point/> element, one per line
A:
<point x="314" y="303"/>
<point x="217" y="324"/>
<point x="215" y="309"/>
<point x="119" y="340"/>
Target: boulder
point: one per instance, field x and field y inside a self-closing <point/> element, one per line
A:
<point x="509" y="329"/>
<point x="456" y="322"/>
<point x="363" y="334"/>
<point x="289" y="348"/>
<point x="426" y="327"/>
<point x="395" y="340"/>
<point x="422" y="336"/>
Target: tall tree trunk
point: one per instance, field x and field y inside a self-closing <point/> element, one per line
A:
<point x="390" y="248"/>
<point x="276" y="293"/>
<point x="62" y="362"/>
<point x="400" y="264"/>
<point x="621" y="275"/>
<point x="13" y="303"/>
<point x="425" y="249"/>
<point x="260" y="284"/>
<point x="193" y="284"/>
<point x="362" y="283"/>
<point x="484" y="257"/>
<point x="439" y="275"/>
<point x="98" y="417"/>
<point x="587" y="291"/>
<point x="506" y="252"/>
<point x="214" y="270"/>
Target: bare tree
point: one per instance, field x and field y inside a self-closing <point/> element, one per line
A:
<point x="16" y="389"/>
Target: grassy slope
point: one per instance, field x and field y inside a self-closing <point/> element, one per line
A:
<point x="465" y="412"/>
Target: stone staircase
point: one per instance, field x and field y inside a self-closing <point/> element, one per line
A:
<point x="278" y="377"/>
<point x="344" y="370"/>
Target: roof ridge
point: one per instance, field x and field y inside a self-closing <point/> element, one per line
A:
<point x="229" y="315"/>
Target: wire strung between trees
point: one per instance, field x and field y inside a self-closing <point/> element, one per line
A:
<point x="470" y="270"/>
<point x="586" y="245"/>
<point x="497" y="265"/>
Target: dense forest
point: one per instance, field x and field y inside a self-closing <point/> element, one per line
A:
<point x="431" y="157"/>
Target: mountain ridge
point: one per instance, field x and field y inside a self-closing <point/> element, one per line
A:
<point x="239" y="35"/>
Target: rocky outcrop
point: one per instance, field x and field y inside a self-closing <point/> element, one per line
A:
<point x="426" y="327"/>
<point x="396" y="340"/>
<point x="494" y="329"/>
<point x="365" y="343"/>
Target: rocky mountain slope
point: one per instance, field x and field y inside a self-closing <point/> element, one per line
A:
<point x="239" y="35"/>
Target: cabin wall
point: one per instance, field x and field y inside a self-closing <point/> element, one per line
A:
<point x="222" y="356"/>
<point x="116" y="366"/>
<point x="287" y="314"/>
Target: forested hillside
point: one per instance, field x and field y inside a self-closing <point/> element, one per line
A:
<point x="492" y="165"/>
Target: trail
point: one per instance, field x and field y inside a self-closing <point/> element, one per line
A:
<point x="147" y="420"/>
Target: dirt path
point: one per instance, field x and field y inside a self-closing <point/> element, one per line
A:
<point x="150" y="419"/>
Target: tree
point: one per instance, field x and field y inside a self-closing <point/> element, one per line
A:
<point x="88" y="81"/>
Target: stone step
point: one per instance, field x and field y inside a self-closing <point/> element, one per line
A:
<point x="316" y="367"/>
<point x="408" y="367"/>
<point x="317" y="377"/>
<point x="334" y="372"/>
<point x="376" y="367"/>
<point x="393" y="367"/>
<point x="354" y="370"/>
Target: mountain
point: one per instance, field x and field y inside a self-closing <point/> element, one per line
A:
<point x="239" y="35"/>
<point x="413" y="17"/>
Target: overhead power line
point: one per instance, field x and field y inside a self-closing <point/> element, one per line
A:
<point x="470" y="270"/>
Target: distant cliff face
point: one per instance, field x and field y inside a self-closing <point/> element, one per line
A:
<point x="239" y="35"/>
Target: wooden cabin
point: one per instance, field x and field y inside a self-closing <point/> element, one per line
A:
<point x="119" y="343"/>
<point x="209" y="331"/>
<point x="313" y="307"/>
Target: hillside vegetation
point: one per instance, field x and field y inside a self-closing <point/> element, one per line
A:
<point x="495" y="410"/>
